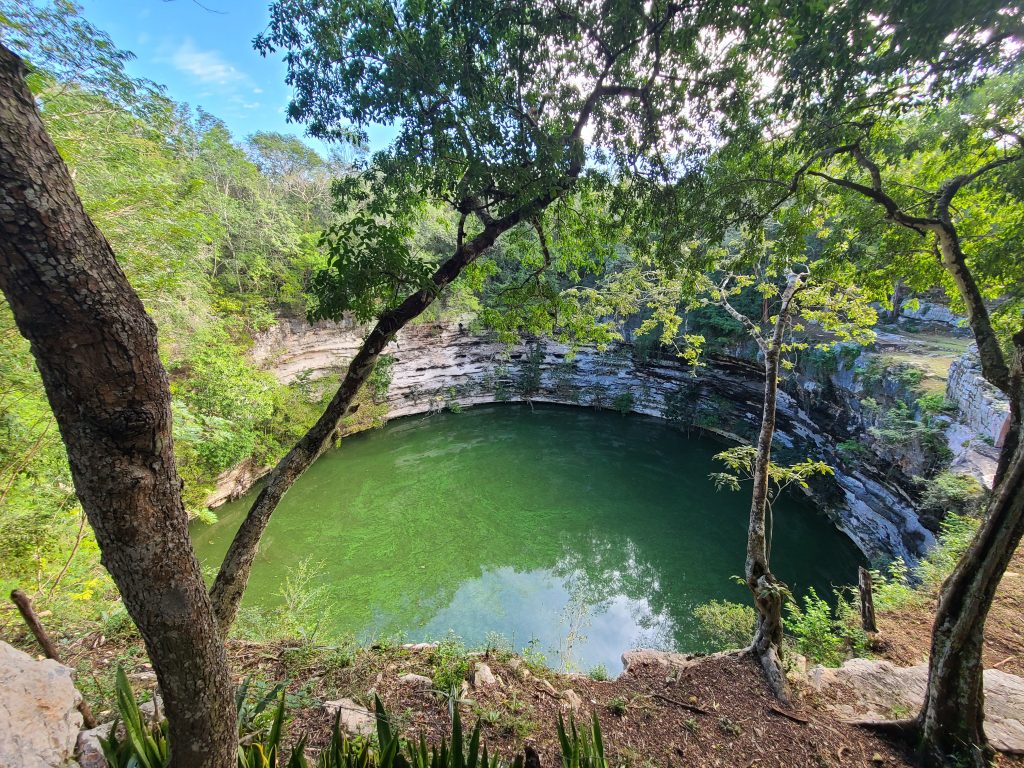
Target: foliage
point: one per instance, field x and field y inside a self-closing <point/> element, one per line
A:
<point x="146" y="745"/>
<point x="726" y="625"/>
<point x="955" y="535"/>
<point x="953" y="493"/>
<point x="822" y="633"/>
<point x="451" y="664"/>
<point x="581" y="750"/>
<point x="740" y="462"/>
<point x="598" y="672"/>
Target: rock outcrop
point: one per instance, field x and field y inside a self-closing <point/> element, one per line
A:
<point x="870" y="689"/>
<point x="438" y="366"/>
<point x="39" y="717"/>
<point x="982" y="407"/>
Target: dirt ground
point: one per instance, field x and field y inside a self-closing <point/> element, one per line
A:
<point x="716" y="713"/>
<point x="905" y="635"/>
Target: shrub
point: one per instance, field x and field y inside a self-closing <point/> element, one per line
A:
<point x="724" y="624"/>
<point x="955" y="535"/>
<point x="823" y="634"/>
<point x="451" y="664"/>
<point x="599" y="672"/>
<point x="952" y="493"/>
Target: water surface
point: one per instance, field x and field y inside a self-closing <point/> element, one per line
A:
<point x="585" y="532"/>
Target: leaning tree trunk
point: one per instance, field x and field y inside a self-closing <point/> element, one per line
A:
<point x="952" y="719"/>
<point x="229" y="586"/>
<point x="96" y="350"/>
<point x="951" y="722"/>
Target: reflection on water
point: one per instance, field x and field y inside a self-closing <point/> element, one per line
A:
<point x="585" y="532"/>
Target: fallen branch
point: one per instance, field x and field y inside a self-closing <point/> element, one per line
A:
<point x="683" y="704"/>
<point x="791" y="715"/>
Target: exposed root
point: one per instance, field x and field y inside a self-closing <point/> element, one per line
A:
<point x="903" y="728"/>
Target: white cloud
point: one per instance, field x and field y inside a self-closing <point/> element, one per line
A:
<point x="206" y="66"/>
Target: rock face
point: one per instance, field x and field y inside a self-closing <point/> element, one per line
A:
<point x="39" y="718"/>
<point x="982" y="407"/>
<point x="438" y="366"/>
<point x="878" y="689"/>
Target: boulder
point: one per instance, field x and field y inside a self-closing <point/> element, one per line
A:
<point x="355" y="720"/>
<point x="39" y="717"/>
<point x="878" y="689"/>
<point x="647" y="656"/>
<point x="416" y="681"/>
<point x="483" y="677"/>
<point x="88" y="751"/>
<point x="571" y="699"/>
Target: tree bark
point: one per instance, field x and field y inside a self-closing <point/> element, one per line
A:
<point x="768" y="591"/>
<point x="867" y="600"/>
<point x="96" y="350"/>
<point x="952" y="718"/>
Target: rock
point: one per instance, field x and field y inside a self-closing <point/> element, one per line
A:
<point x="646" y="656"/>
<point x="572" y="699"/>
<point x="416" y="681"/>
<point x="88" y="751"/>
<point x="39" y="718"/>
<point x="546" y="686"/>
<point x="354" y="719"/>
<point x="796" y="667"/>
<point x="875" y="689"/>
<point x="420" y="646"/>
<point x="482" y="676"/>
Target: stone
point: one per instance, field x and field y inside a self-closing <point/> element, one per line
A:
<point x="640" y="657"/>
<point x="420" y="646"/>
<point x="354" y="719"/>
<point x="571" y="699"/>
<point x="874" y="689"/>
<point x="483" y="677"/>
<point x="547" y="687"/>
<point x="39" y="717"/>
<point x="416" y="681"/>
<point x="88" y="751"/>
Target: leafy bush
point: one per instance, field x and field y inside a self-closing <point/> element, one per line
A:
<point x="451" y="664"/>
<point x="952" y="493"/>
<point x="599" y="672"/>
<point x="823" y="634"/>
<point x="955" y="536"/>
<point x="623" y="402"/>
<point x="726" y="625"/>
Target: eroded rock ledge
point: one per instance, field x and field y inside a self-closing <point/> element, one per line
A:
<point x="439" y="366"/>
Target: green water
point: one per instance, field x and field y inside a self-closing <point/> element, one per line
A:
<point x="588" y="532"/>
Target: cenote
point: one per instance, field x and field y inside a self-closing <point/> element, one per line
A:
<point x="585" y="532"/>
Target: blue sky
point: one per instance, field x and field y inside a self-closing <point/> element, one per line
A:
<point x="203" y="54"/>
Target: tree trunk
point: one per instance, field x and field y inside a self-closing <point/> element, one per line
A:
<point x="231" y="580"/>
<point x="767" y="590"/>
<point x="898" y="294"/>
<point x="867" y="600"/>
<point x="96" y="350"/>
<point x="951" y="722"/>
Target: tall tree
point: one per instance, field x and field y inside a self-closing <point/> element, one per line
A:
<point x="952" y="178"/>
<point x="97" y="352"/>
<point x="500" y="108"/>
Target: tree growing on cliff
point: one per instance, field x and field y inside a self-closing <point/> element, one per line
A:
<point x="795" y="296"/>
